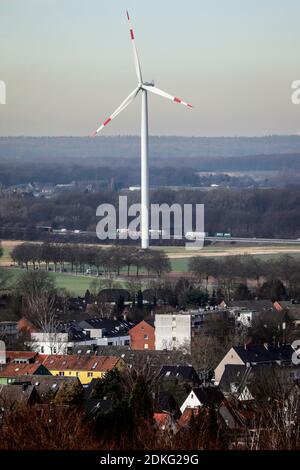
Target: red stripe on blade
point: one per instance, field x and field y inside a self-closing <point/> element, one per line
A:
<point x="93" y="134"/>
<point x="107" y="122"/>
<point x="132" y="34"/>
<point x="177" y="100"/>
<point x="190" y="105"/>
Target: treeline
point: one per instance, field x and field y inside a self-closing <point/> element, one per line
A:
<point x="81" y="258"/>
<point x="275" y="279"/>
<point x="59" y="173"/>
<point x="271" y="213"/>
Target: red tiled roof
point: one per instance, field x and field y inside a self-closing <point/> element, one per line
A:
<point x="186" y="416"/>
<point x="140" y="325"/>
<point x="161" y="418"/>
<point x="13" y="355"/>
<point x="84" y="363"/>
<point x="14" y="370"/>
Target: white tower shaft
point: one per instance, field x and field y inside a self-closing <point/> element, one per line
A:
<point x="144" y="174"/>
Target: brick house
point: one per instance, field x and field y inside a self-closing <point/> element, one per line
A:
<point x="142" y="335"/>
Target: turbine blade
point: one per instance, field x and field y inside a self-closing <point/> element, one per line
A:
<point x="159" y="92"/>
<point x="121" y="108"/>
<point x="135" y="54"/>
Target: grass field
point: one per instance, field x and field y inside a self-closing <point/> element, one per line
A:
<point x="179" y="257"/>
<point x="75" y="285"/>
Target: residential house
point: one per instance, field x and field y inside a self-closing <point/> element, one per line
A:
<point x="48" y="386"/>
<point x="13" y="395"/>
<point x="204" y="397"/>
<point x="255" y="354"/>
<point x="21" y="357"/>
<point x="185" y="374"/>
<point x="246" y="382"/>
<point x="142" y="335"/>
<point x="61" y="341"/>
<point x="245" y="312"/>
<point x="85" y="368"/>
<point x="107" y="332"/>
<point x="10" y="372"/>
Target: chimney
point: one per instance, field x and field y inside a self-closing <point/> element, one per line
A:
<point x="266" y="346"/>
<point x="245" y="347"/>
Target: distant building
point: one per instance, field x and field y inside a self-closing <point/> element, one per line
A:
<point x="9" y="330"/>
<point x="245" y="312"/>
<point x="142" y="336"/>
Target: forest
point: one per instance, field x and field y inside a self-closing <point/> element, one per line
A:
<point x="270" y="213"/>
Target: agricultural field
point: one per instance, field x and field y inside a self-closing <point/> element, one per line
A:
<point x="179" y="257"/>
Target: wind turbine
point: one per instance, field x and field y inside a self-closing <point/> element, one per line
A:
<point x="144" y="88"/>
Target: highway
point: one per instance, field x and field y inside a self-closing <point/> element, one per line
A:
<point x="269" y="241"/>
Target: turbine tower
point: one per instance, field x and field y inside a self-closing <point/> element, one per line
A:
<point x="144" y="88"/>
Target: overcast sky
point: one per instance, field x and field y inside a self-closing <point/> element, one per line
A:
<point x="68" y="64"/>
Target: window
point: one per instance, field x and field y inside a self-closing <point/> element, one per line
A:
<point x="61" y="374"/>
<point x="145" y="336"/>
<point x="54" y="350"/>
<point x="146" y="346"/>
<point x="77" y="374"/>
<point x="90" y="374"/>
<point x="42" y="349"/>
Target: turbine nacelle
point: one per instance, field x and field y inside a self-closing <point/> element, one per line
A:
<point x="148" y="83"/>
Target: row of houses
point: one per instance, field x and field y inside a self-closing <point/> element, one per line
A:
<point x="162" y="331"/>
<point x="243" y="374"/>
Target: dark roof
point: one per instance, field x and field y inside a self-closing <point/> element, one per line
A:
<point x="233" y="374"/>
<point x="259" y="353"/>
<point x="165" y="402"/>
<point x="109" y="327"/>
<point x="208" y="396"/>
<point x="95" y="405"/>
<point x="11" y="395"/>
<point x="48" y="384"/>
<point x="186" y="373"/>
